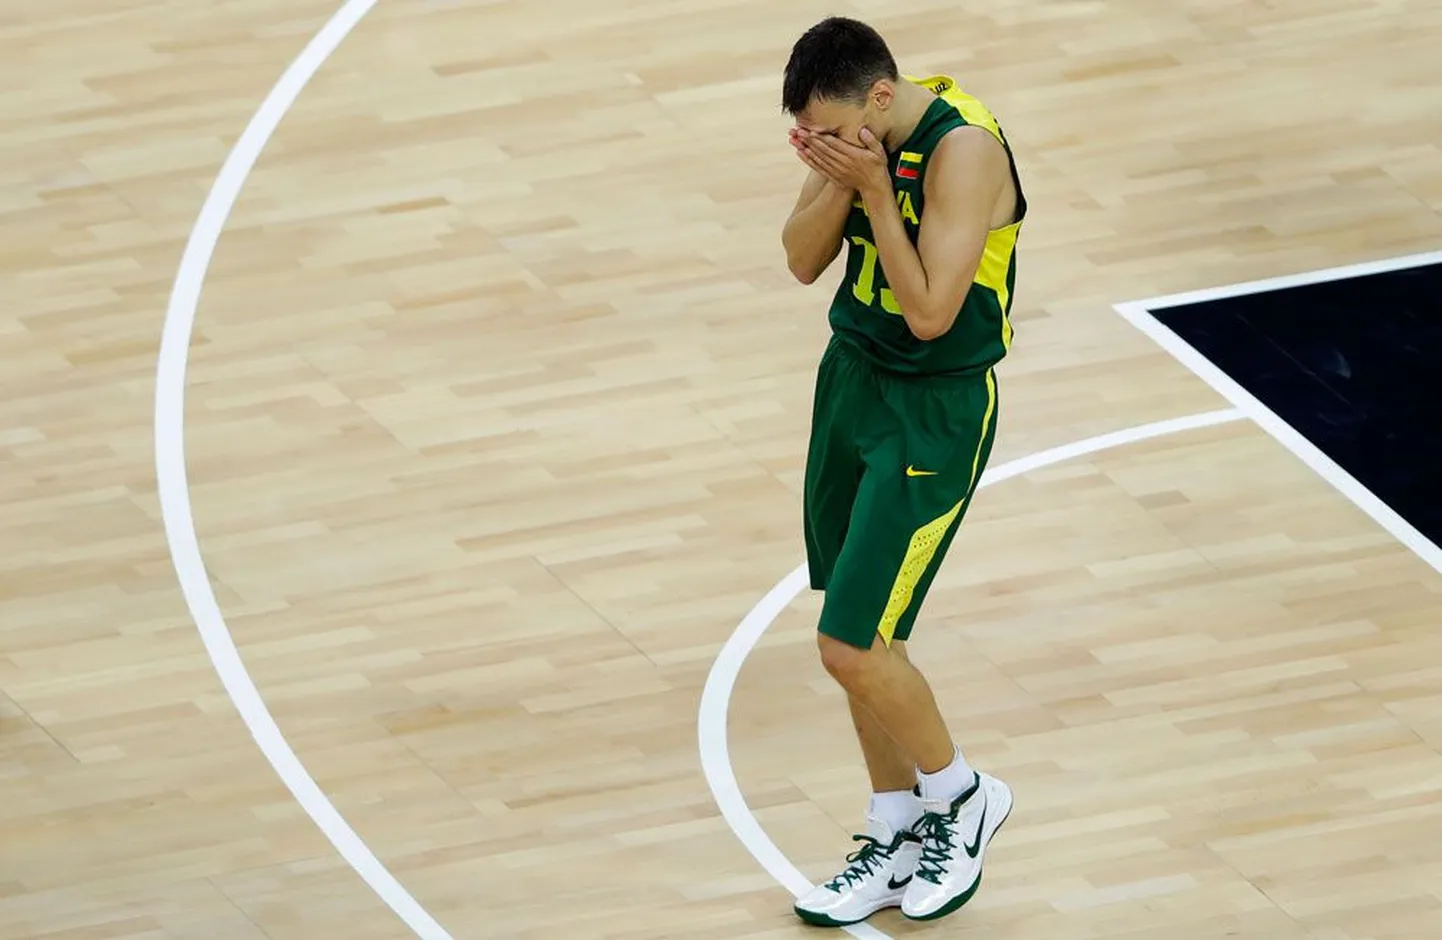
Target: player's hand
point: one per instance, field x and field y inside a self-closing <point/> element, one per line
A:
<point x="799" y="137"/>
<point x="863" y="168"/>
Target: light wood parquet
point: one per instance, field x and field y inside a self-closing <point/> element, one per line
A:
<point x="495" y="426"/>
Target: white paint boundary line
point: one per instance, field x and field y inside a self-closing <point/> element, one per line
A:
<point x="1302" y="279"/>
<point x="716" y="695"/>
<point x="1139" y="314"/>
<point x="174" y="488"/>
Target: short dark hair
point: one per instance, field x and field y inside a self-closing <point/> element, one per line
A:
<point x="837" y="59"/>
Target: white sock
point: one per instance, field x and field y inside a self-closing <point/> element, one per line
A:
<point x="899" y="809"/>
<point x="949" y="782"/>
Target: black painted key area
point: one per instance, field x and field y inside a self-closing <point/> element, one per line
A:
<point x="1354" y="365"/>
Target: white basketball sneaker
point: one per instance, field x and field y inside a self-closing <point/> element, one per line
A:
<point x="877" y="877"/>
<point x="954" y="838"/>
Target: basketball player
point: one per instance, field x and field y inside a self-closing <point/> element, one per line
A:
<point x="916" y="180"/>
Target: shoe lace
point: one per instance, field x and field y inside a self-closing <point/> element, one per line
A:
<point x="936" y="834"/>
<point x="864" y="862"/>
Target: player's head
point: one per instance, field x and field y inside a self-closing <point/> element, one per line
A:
<point x="840" y="77"/>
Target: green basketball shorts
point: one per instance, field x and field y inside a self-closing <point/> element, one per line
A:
<point x="892" y="464"/>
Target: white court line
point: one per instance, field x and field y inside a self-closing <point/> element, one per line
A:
<point x="716" y="696"/>
<point x="174" y="488"/>
<point x="1139" y="314"/>
<point x="1302" y="279"/>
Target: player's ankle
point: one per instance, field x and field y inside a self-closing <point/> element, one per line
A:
<point x="899" y="809"/>
<point x="948" y="782"/>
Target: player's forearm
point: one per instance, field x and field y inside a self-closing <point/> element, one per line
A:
<point x="905" y="274"/>
<point x="812" y="236"/>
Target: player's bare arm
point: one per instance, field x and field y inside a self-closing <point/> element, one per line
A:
<point x="812" y="234"/>
<point x="966" y="179"/>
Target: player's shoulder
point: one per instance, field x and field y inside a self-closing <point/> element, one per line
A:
<point x="967" y="150"/>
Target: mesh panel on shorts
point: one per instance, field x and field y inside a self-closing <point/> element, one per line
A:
<point x="924" y="542"/>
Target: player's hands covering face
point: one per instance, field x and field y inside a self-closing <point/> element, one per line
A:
<point x="863" y="168"/>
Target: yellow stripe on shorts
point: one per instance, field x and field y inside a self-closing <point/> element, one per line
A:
<point x="926" y="540"/>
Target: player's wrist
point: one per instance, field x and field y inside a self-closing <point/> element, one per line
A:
<point x="876" y="191"/>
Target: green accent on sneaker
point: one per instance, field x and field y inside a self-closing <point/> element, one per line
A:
<point x="956" y="902"/>
<point x="872" y="853"/>
<point x="816" y="919"/>
<point x="935" y="836"/>
<point x="950" y="906"/>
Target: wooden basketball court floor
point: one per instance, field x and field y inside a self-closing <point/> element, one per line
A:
<point x="494" y="421"/>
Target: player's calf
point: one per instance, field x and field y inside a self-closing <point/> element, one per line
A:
<point x="896" y="693"/>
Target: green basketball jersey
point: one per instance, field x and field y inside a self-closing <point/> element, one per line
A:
<point x="865" y="312"/>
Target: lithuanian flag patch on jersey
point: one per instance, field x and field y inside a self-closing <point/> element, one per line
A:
<point x="910" y="166"/>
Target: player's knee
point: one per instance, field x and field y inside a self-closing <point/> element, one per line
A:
<point x="848" y="665"/>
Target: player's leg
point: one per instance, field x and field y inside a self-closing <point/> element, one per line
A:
<point x="846" y="389"/>
<point x="924" y="457"/>
<point x="876" y="875"/>
<point x="883" y="684"/>
<point x="924" y="452"/>
<point x="958" y="826"/>
<point x="855" y="409"/>
<point x="891" y="769"/>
